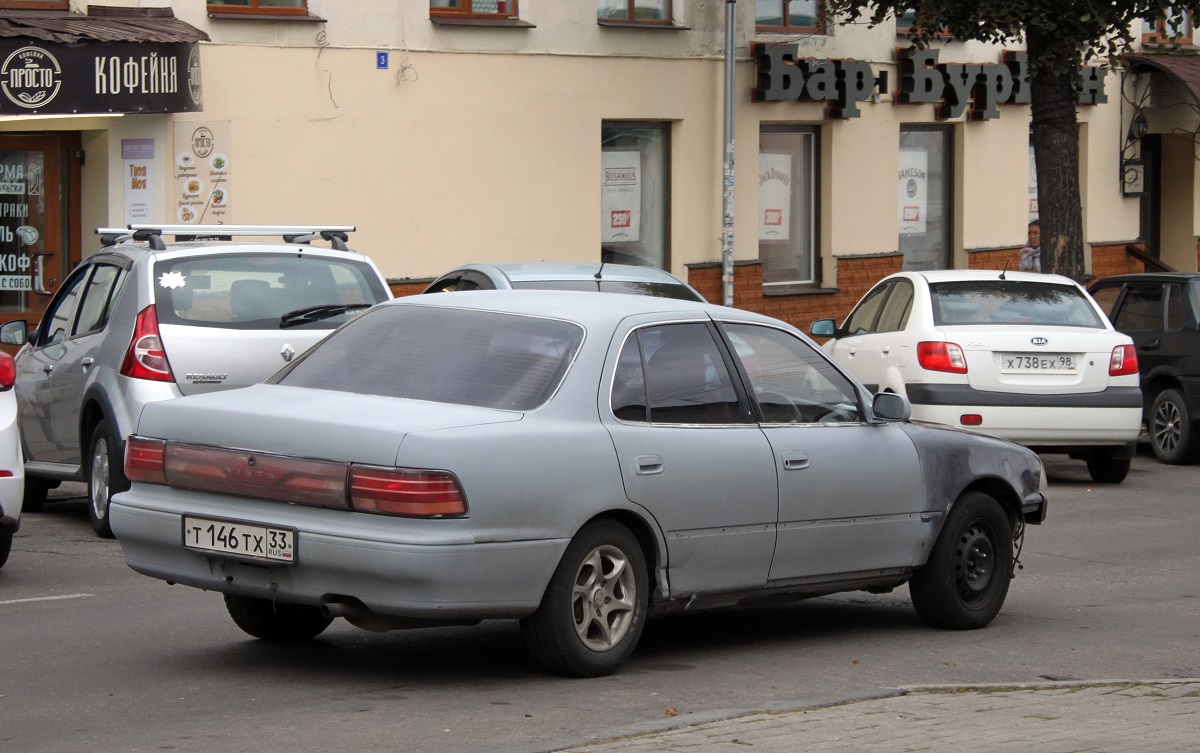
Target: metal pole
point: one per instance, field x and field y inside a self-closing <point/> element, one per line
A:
<point x="727" y="206"/>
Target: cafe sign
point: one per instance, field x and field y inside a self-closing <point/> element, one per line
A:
<point x="976" y="89"/>
<point x="113" y="77"/>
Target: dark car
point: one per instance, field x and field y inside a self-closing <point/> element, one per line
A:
<point x="1161" y="312"/>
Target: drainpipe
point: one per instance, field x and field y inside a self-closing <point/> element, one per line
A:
<point x="727" y="204"/>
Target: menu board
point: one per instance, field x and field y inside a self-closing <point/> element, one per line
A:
<point x="202" y="173"/>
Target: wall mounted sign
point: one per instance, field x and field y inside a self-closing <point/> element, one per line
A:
<point x="202" y="172"/>
<point x="39" y="78"/>
<point x="954" y="88"/>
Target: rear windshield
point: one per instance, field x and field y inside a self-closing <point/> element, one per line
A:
<point x="255" y="291"/>
<point x="1011" y="302"/>
<point x="657" y="289"/>
<point x="444" y="355"/>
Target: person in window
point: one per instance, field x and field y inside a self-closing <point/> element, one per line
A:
<point x="1031" y="255"/>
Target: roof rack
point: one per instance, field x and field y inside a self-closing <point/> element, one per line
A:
<point x="335" y="234"/>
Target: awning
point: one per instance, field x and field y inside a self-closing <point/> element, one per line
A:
<point x="113" y="60"/>
<point x="102" y="25"/>
<point x="1183" y="70"/>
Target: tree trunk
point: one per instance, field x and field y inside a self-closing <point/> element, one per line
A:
<point x="1056" y="153"/>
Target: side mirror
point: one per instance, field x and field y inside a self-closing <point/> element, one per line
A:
<point x="14" y="332"/>
<point x="888" y="406"/>
<point x="823" y="328"/>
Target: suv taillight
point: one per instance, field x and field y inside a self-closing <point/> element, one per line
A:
<point x="8" y="371"/>
<point x="146" y="358"/>
<point x="1123" y="361"/>
<point x="940" y="356"/>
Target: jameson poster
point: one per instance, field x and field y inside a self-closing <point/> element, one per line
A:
<point x="774" y="196"/>
<point x="621" y="202"/>
<point x="914" y="191"/>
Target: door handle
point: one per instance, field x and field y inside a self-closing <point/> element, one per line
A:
<point x="853" y="351"/>
<point x="48" y="368"/>
<point x="886" y="349"/>
<point x="87" y="363"/>
<point x="1154" y="344"/>
<point x="795" y="461"/>
<point x="648" y="465"/>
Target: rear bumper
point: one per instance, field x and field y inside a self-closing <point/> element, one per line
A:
<point x="1111" y="417"/>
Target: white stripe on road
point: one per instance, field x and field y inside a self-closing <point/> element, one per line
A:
<point x="45" y="598"/>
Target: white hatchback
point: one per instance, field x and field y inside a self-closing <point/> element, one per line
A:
<point x="1024" y="356"/>
<point x="12" y="472"/>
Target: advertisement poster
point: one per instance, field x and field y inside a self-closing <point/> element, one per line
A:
<point x="137" y="159"/>
<point x="774" y="196"/>
<point x="22" y="218"/>
<point x="914" y="191"/>
<point x="202" y="173"/>
<point x="621" y="203"/>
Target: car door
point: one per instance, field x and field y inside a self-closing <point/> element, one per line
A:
<point x="1141" y="314"/>
<point x="691" y="456"/>
<point x="851" y="494"/>
<point x="49" y="376"/>
<point x="871" y="349"/>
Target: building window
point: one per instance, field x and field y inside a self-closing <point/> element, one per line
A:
<point x="474" y="8"/>
<point x="261" y="7"/>
<point x="789" y="15"/>
<point x="924" y="197"/>
<point x="657" y="11"/>
<point x="635" y="193"/>
<point x="787" y="204"/>
<point x="1175" y="28"/>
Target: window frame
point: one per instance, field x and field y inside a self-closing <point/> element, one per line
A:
<point x="630" y="16"/>
<point x="255" y="9"/>
<point x="467" y="11"/>
<point x="1159" y="34"/>
<point x="810" y="136"/>
<point x="821" y="26"/>
<point x="638" y="130"/>
<point x="950" y="178"/>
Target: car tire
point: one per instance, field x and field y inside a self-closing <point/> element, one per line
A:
<point x="594" y="608"/>
<point x="1105" y="469"/>
<point x="1172" y="433"/>
<point x="106" y="477"/>
<point x="276" y="622"/>
<point x="963" y="584"/>
<point x="5" y="547"/>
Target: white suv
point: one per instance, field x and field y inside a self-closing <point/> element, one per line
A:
<point x="1024" y="356"/>
<point x="142" y="320"/>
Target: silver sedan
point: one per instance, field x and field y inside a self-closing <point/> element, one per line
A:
<point x="577" y="461"/>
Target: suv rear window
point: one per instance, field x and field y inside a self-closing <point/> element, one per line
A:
<point x="254" y="291"/>
<point x="457" y="356"/>
<point x="1011" y="302"/>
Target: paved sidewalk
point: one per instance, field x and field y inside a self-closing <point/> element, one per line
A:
<point x="1155" y="716"/>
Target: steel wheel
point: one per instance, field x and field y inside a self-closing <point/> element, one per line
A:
<point x="974" y="563"/>
<point x="603" y="598"/>
<point x="963" y="584"/>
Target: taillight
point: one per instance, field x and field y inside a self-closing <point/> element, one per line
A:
<point x="1123" y="361"/>
<point x="8" y="371"/>
<point x="406" y="492"/>
<point x="146" y="358"/>
<point x="145" y="460"/>
<point x="941" y="356"/>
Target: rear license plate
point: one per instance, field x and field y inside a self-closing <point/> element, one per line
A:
<point x="1038" y="363"/>
<point x="247" y="540"/>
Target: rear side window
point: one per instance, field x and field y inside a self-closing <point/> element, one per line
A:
<point x="255" y="291"/>
<point x="1142" y="309"/>
<point x="456" y="356"/>
<point x="1008" y="302"/>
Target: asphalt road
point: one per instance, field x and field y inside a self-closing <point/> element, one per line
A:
<point x="96" y="658"/>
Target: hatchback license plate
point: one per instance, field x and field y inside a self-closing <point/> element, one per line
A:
<point x="247" y="540"/>
<point x="1038" y="363"/>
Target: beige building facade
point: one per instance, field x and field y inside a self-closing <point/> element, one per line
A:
<point x="450" y="131"/>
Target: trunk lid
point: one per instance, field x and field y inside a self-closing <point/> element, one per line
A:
<point x="1038" y="359"/>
